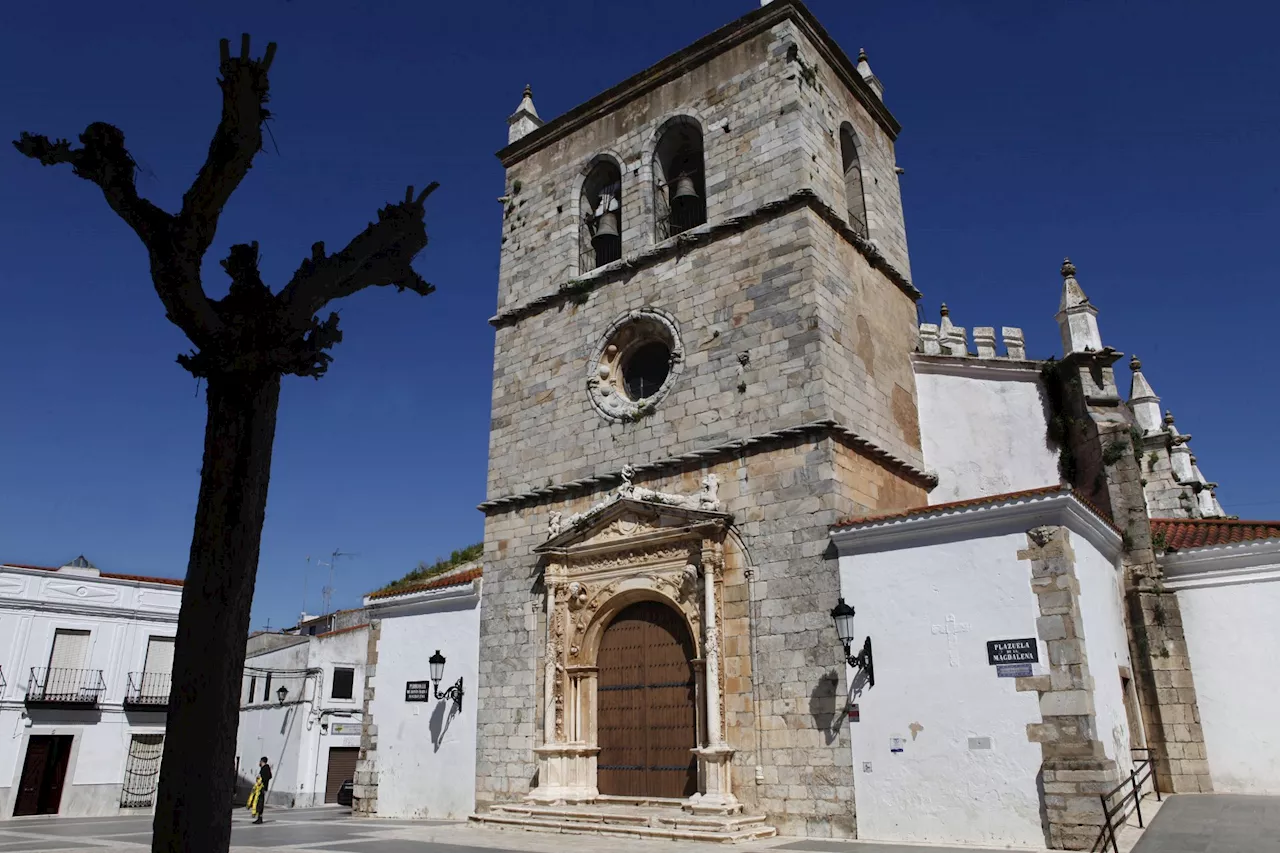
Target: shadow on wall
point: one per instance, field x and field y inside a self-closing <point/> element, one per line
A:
<point x="441" y="717"/>
<point x="824" y="707"/>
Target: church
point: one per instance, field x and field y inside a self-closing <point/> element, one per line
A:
<point x="765" y="552"/>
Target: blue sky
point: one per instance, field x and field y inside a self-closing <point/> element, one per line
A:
<point x="1139" y="138"/>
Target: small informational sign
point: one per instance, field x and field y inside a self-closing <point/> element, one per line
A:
<point x="855" y="715"/>
<point x="417" y="691"/>
<point x="1013" y="670"/>
<point x="979" y="743"/>
<point x="345" y="729"/>
<point x="897" y="744"/>
<point x="1012" y="651"/>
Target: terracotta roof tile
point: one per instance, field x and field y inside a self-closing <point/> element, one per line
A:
<point x="111" y="575"/>
<point x="1180" y="533"/>
<point x="438" y="583"/>
<point x="968" y="502"/>
<point x="344" y="630"/>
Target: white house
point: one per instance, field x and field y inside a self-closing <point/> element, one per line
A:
<point x="422" y="748"/>
<point x="302" y="709"/>
<point x="85" y="663"/>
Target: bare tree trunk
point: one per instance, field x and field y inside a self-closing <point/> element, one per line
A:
<point x="194" y="800"/>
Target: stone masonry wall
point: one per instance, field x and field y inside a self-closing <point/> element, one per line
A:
<point x="766" y="133"/>
<point x="1157" y="645"/>
<point x="364" y="793"/>
<point x="1075" y="767"/>
<point x="791" y="702"/>
<point x="868" y="329"/>
<point x="754" y="294"/>
<point x="826" y="103"/>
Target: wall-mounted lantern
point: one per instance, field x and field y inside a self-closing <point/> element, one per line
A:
<point x="282" y="693"/>
<point x="437" y="673"/>
<point x="842" y="615"/>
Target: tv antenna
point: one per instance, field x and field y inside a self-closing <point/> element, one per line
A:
<point x="327" y="592"/>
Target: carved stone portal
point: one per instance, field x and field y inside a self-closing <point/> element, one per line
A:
<point x="638" y="545"/>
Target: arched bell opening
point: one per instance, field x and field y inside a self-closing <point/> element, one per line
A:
<point x="679" y="178"/>
<point x="851" y="166"/>
<point x="600" y="215"/>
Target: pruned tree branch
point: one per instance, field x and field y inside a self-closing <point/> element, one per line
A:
<point x="104" y="160"/>
<point x="236" y="140"/>
<point x="378" y="256"/>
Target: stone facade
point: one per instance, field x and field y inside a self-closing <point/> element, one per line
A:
<point x="783" y="674"/>
<point x="793" y="386"/>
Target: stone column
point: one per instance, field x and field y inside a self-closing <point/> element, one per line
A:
<point x="566" y="766"/>
<point x="714" y="772"/>
<point x="1075" y="766"/>
<point x="549" y="677"/>
<point x="715" y="735"/>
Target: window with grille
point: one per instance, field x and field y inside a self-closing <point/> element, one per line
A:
<point x="142" y="771"/>
<point x="343" y="683"/>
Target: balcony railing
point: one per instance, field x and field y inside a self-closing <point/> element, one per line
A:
<point x="57" y="686"/>
<point x="148" y="690"/>
<point x="3" y="683"/>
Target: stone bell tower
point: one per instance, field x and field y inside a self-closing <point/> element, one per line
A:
<point x="702" y="361"/>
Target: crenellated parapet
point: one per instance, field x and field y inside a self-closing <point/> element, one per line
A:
<point x="946" y="338"/>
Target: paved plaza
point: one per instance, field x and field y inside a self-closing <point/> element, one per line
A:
<point x="1210" y="823"/>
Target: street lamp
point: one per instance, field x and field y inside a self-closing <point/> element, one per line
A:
<point x="437" y="673"/>
<point x="282" y="693"/>
<point x="842" y="615"/>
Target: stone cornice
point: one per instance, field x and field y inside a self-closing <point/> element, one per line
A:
<point x="105" y="612"/>
<point x="715" y="453"/>
<point x="977" y="368"/>
<point x="946" y="523"/>
<point x="699" y="53"/>
<point x="705" y="235"/>
<point x="1222" y="565"/>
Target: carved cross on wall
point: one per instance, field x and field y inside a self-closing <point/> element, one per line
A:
<point x="953" y="630"/>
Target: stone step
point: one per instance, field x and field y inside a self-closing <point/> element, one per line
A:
<point x="613" y="813"/>
<point x="501" y="819"/>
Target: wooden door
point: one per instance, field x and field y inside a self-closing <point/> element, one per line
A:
<point x="646" y="705"/>
<point x="43" y="774"/>
<point x="342" y="766"/>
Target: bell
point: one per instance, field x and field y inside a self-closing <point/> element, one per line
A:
<point x="686" y="205"/>
<point x="606" y="242"/>
<point x="684" y="189"/>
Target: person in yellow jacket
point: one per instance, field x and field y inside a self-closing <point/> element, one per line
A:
<point x="258" y="796"/>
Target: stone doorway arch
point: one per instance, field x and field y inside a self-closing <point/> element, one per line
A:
<point x="665" y="552"/>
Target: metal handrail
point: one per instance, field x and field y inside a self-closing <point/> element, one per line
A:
<point x="3" y="683"/>
<point x="148" y="688"/>
<point x="72" y="686"/>
<point x="1142" y="772"/>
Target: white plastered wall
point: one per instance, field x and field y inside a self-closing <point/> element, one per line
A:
<point x="930" y="612"/>
<point x="1106" y="646"/>
<point x="1233" y="640"/>
<point x="982" y="428"/>
<point x="426" y="755"/>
